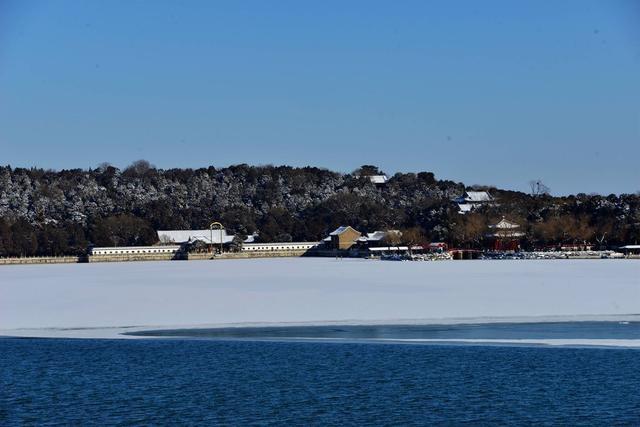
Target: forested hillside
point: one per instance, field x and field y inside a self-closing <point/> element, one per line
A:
<point x="45" y="212"/>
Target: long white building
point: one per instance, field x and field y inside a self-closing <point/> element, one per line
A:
<point x="173" y="241"/>
<point x="284" y="246"/>
<point x="131" y="250"/>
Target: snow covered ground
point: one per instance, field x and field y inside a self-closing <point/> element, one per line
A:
<point x="97" y="300"/>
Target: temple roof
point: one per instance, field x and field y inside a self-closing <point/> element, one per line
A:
<point x="505" y="224"/>
<point x="184" y="236"/>
<point x="474" y="197"/>
<point x="477" y="196"/>
<point x="377" y="235"/>
<point x="342" y="229"/>
<point x="378" y="179"/>
<point x="505" y="229"/>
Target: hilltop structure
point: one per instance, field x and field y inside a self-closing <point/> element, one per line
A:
<point x="378" y="180"/>
<point x="470" y="200"/>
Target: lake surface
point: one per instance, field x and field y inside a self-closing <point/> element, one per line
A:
<point x="244" y="379"/>
<point x="299" y="290"/>
<point x="587" y="332"/>
<point x="475" y="373"/>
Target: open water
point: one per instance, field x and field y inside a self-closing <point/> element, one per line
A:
<point x="587" y="331"/>
<point x="256" y="381"/>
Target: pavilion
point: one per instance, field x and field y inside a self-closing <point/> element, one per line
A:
<point x="505" y="236"/>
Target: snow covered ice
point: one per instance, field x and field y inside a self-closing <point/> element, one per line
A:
<point x="114" y="295"/>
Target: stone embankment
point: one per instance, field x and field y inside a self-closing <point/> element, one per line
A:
<point x="153" y="257"/>
<point x="40" y="260"/>
<point x="190" y="257"/>
<point x="136" y="257"/>
<point x="252" y="254"/>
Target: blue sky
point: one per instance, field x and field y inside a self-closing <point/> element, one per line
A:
<point x="494" y="92"/>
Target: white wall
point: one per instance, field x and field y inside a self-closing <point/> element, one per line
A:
<point x="124" y="250"/>
<point x="291" y="246"/>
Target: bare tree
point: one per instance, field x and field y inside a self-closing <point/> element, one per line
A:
<point x="237" y="242"/>
<point x="601" y="239"/>
<point x="138" y="168"/>
<point x="475" y="229"/>
<point x="538" y="188"/>
<point x="393" y="238"/>
<point x="413" y="236"/>
<point x="104" y="166"/>
<point x="367" y="170"/>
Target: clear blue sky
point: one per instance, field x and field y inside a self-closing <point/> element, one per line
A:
<point x="491" y="92"/>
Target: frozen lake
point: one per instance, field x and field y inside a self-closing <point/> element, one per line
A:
<point x="299" y="290"/>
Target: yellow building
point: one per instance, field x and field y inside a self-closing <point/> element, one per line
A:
<point x="343" y="237"/>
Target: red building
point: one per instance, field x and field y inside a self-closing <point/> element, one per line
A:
<point x="505" y="236"/>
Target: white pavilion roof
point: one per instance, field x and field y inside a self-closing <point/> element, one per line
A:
<point x="477" y="196"/>
<point x="377" y="235"/>
<point x="505" y="224"/>
<point x="184" y="236"/>
<point x="378" y="179"/>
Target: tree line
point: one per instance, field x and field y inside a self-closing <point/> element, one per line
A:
<point x="46" y="212"/>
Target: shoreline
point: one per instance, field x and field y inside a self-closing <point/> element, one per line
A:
<point x="83" y="259"/>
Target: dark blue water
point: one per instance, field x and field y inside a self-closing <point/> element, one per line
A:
<point x="490" y="331"/>
<point x="140" y="382"/>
